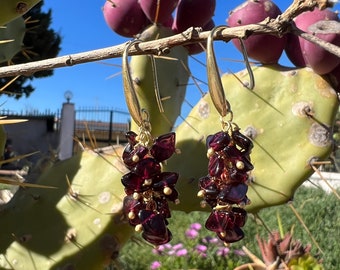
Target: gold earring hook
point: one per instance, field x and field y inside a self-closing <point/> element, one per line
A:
<point x="129" y="89"/>
<point x="214" y="79"/>
<point x="250" y="71"/>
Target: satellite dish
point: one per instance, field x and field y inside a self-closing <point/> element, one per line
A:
<point x="68" y="95"/>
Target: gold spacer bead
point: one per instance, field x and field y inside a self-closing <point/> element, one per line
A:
<point x="239" y="165"/>
<point x="147" y="182"/>
<point x="139" y="228"/>
<point x="135" y="158"/>
<point x="167" y="191"/>
<point x="131" y="215"/>
<point x="200" y="194"/>
<point x="136" y="195"/>
<point x="210" y="152"/>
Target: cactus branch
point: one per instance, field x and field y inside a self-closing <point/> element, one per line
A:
<point x="278" y="27"/>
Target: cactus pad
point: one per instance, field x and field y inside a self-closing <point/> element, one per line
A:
<point x="11" y="10"/>
<point x="172" y="78"/>
<point x="64" y="229"/>
<point x="289" y="115"/>
<point x="14" y="33"/>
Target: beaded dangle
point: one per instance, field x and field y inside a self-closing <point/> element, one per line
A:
<point x="225" y="187"/>
<point x="147" y="188"/>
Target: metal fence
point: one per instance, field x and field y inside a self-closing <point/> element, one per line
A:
<point x="107" y="126"/>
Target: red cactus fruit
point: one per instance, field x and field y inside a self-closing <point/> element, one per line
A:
<point x="254" y="11"/>
<point x="195" y="13"/>
<point x="293" y="47"/>
<point x="125" y="17"/>
<point x="158" y="14"/>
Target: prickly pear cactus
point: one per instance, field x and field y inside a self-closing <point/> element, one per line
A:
<point x="76" y="226"/>
<point x="81" y="226"/>
<point x="171" y="77"/>
<point x="288" y="115"/>
<point x="13" y="9"/>
<point x="11" y="39"/>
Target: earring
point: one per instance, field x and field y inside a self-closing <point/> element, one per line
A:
<point x="147" y="188"/>
<point x="225" y="187"/>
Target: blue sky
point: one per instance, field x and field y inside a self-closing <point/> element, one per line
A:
<point x="82" y="27"/>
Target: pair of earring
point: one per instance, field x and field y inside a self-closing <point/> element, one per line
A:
<point x="148" y="189"/>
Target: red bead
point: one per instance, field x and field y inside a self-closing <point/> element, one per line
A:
<point x="154" y="227"/>
<point x="147" y="168"/>
<point x="165" y="179"/>
<point x="233" y="193"/>
<point x="242" y="141"/>
<point x="133" y="183"/>
<point x="218" y="141"/>
<point x="219" y="221"/>
<point x="231" y="235"/>
<point x="240" y="216"/>
<point x="130" y="152"/>
<point x="163" y="147"/>
<point x="215" y="166"/>
<point x="131" y="137"/>
<point x="134" y="206"/>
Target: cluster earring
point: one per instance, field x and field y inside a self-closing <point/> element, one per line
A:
<point x="147" y="188"/>
<point x="225" y="187"/>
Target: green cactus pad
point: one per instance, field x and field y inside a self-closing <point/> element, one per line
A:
<point x="50" y="229"/>
<point x="172" y="79"/>
<point x="11" y="10"/>
<point x="285" y="138"/>
<point x="14" y="33"/>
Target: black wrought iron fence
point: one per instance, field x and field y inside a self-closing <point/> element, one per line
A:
<point x="106" y="126"/>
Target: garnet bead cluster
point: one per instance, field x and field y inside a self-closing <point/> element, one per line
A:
<point x="226" y="185"/>
<point x="147" y="188"/>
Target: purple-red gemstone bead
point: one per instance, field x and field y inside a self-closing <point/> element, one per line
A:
<point x="155" y="230"/>
<point x="133" y="183"/>
<point x="218" y="141"/>
<point x="147" y="168"/>
<point x="215" y="165"/>
<point x="233" y="193"/>
<point x="129" y="153"/>
<point x="240" y="216"/>
<point x="231" y="235"/>
<point x="164" y="146"/>
<point x="219" y="221"/>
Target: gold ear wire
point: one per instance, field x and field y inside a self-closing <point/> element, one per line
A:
<point x="129" y="89"/>
<point x="250" y="71"/>
<point x="214" y="79"/>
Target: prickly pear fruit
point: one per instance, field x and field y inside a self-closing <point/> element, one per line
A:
<point x="11" y="10"/>
<point x="172" y="78"/>
<point x="195" y="13"/>
<point x="295" y="44"/>
<point x="76" y="226"/>
<point x="274" y="116"/>
<point x="14" y="33"/>
<point x="254" y="11"/>
<point x="165" y="9"/>
<point x="125" y="17"/>
<point x="317" y="58"/>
